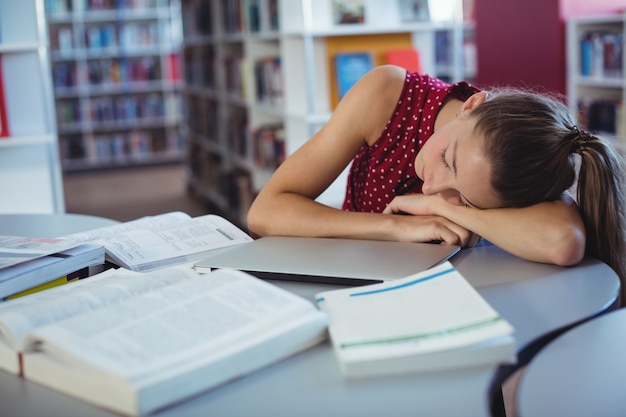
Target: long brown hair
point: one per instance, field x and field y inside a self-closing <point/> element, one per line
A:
<point x="537" y="152"/>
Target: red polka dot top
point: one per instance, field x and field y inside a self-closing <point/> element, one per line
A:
<point x="376" y="170"/>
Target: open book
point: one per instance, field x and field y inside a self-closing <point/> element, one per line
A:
<point x="163" y="240"/>
<point x="136" y="342"/>
<point x="429" y="321"/>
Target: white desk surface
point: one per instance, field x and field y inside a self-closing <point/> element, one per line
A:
<point x="582" y="373"/>
<point x="49" y="225"/>
<point x="537" y="299"/>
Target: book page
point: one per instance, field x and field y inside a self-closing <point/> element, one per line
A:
<point x="156" y="242"/>
<point x="24" y="314"/>
<point x="144" y="223"/>
<point x="209" y="314"/>
<point x="146" y="250"/>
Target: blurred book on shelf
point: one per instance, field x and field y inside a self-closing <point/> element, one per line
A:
<point x="4" y="120"/>
<point x="414" y="10"/>
<point x="408" y="58"/>
<point x="348" y="11"/>
<point x="601" y="54"/>
<point x="116" y="69"/>
<point x="349" y="68"/>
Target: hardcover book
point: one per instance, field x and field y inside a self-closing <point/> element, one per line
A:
<point x="349" y="68"/>
<point x="407" y="58"/>
<point x="136" y="342"/>
<point x="4" y="118"/>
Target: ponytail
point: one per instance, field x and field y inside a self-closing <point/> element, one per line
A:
<point x="601" y="196"/>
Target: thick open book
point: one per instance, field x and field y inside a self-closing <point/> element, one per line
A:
<point x="429" y="321"/>
<point x="160" y="241"/>
<point x="137" y="342"/>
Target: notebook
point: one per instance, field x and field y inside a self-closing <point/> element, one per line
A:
<point x="328" y="260"/>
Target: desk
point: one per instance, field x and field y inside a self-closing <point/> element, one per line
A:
<point x="537" y="299"/>
<point x="49" y="225"/>
<point x="581" y="373"/>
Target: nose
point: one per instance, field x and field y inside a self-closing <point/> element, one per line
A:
<point x="434" y="186"/>
<point x="427" y="188"/>
<point x="443" y="189"/>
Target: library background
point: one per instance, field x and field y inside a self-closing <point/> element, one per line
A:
<point x="226" y="89"/>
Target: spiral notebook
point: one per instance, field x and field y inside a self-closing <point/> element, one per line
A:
<point x="328" y="260"/>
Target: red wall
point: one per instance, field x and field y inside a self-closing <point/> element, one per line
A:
<point x="522" y="42"/>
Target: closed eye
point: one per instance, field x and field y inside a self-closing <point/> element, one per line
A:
<point x="442" y="156"/>
<point x="459" y="201"/>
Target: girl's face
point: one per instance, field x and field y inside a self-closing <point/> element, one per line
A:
<point x="453" y="166"/>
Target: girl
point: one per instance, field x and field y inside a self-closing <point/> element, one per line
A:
<point x="458" y="163"/>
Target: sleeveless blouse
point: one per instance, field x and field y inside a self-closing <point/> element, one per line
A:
<point x="377" y="169"/>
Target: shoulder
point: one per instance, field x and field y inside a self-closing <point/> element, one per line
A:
<point x="374" y="99"/>
<point x="388" y="73"/>
<point x="394" y="85"/>
<point x="385" y="80"/>
<point x="388" y="76"/>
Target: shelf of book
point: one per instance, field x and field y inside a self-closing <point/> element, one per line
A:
<point x="31" y="179"/>
<point x="260" y="79"/>
<point x="596" y="86"/>
<point x="117" y="77"/>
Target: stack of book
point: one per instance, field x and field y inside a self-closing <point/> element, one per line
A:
<point x="30" y="264"/>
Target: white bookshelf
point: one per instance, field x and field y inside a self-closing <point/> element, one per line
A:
<point x="117" y="91"/>
<point x="30" y="172"/>
<point x="230" y="175"/>
<point x="595" y="73"/>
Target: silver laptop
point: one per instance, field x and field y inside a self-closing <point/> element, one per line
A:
<point x="328" y="260"/>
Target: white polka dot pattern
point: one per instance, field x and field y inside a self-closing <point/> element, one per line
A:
<point x="376" y="170"/>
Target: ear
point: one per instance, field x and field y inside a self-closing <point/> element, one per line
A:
<point x="474" y="100"/>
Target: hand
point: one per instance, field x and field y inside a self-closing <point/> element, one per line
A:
<point x="415" y="204"/>
<point x="421" y="222"/>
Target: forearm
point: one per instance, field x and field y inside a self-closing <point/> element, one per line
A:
<point x="290" y="214"/>
<point x="550" y="232"/>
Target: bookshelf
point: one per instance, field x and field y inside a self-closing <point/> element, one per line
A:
<point x="31" y="177"/>
<point x="260" y="80"/>
<point x="117" y="81"/>
<point x="596" y="87"/>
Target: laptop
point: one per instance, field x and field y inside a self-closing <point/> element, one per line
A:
<point x="328" y="260"/>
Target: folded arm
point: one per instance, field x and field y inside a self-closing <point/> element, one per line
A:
<point x="550" y="232"/>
